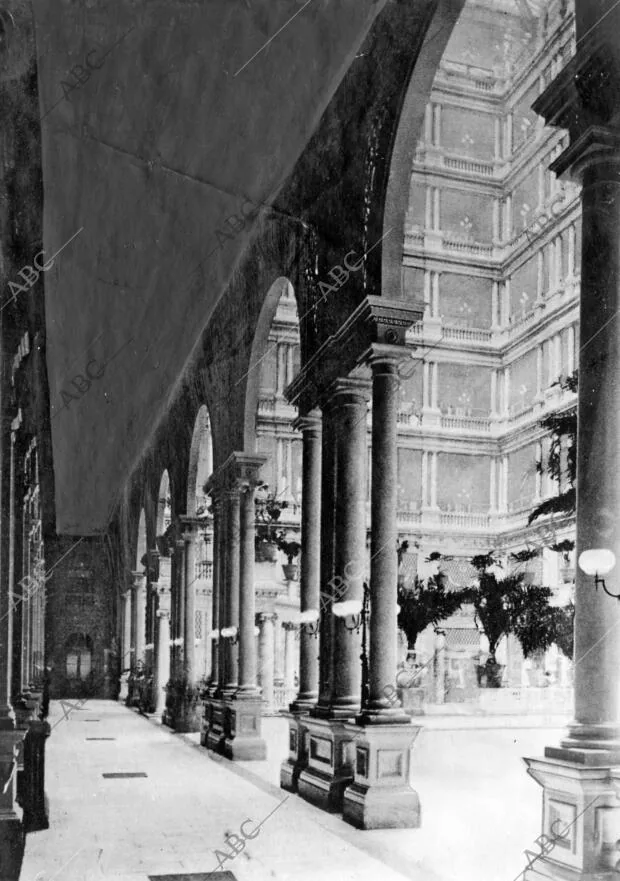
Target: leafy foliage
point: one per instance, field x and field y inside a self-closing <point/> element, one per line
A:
<point x="268" y="509"/>
<point x="535" y="621"/>
<point x="426" y="604"/>
<point x="564" y="637"/>
<point x="290" y="548"/>
<point x="505" y="605"/>
<point x="561" y="464"/>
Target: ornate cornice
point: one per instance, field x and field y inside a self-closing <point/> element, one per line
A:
<point x="376" y="320"/>
<point x="583" y="98"/>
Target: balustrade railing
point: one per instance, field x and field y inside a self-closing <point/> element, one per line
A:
<point x="466" y="423"/>
<point x="467" y="334"/>
<point x="203" y="569"/>
<point x="465" y="519"/>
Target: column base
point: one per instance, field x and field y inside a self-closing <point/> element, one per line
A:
<point x="380" y="796"/>
<point x="329" y="770"/>
<point x="243" y="741"/>
<point x="214" y="732"/>
<point x="580" y="822"/>
<point x="12" y="845"/>
<point x="297" y="759"/>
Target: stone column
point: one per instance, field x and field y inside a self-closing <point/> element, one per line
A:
<point x="290" y="645"/>
<point x="216" y="623"/>
<point x="580" y="779"/>
<point x="126" y="649"/>
<point x="139" y="610"/>
<point x="310" y="427"/>
<point x="349" y="400"/>
<point x="278" y="653"/>
<point x="163" y="636"/>
<point x="384" y="361"/>
<point x="247" y="642"/>
<point x="222" y="590"/>
<point x="266" y="622"/>
<point x="178" y="593"/>
<point x="327" y="567"/>
<point x="231" y="550"/>
<point x="189" y="558"/>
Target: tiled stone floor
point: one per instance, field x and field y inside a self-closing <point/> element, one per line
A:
<point x="480" y="810"/>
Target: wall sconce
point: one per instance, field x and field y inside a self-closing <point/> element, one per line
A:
<point x="350" y="612"/>
<point x="309" y="622"/>
<point x="597" y="562"/>
<point x="257" y="631"/>
<point x="215" y="634"/>
<point x="229" y="633"/>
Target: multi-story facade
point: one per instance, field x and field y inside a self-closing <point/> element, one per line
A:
<point x="492" y="248"/>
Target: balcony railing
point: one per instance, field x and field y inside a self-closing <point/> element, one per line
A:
<point x="466" y="519"/>
<point x="203" y="570"/>
<point x="466" y="423"/>
<point x="466" y="247"/>
<point x="467" y="334"/>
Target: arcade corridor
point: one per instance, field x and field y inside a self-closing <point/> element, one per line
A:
<point x="173" y="820"/>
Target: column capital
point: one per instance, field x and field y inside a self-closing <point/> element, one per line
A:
<point x="583" y="99"/>
<point x="309" y="422"/>
<point x="377" y="320"/>
<point x="386" y="358"/>
<point x="239" y="473"/>
<point x="138" y="580"/>
<point x="262" y="617"/>
<point x="352" y="388"/>
<point x="289" y="625"/>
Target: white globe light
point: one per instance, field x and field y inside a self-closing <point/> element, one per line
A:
<point x="597" y="561"/>
<point x="350" y="607"/>
<point x="309" y="616"/>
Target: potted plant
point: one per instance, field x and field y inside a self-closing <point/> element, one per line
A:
<point x="290" y="549"/>
<point x="422" y="604"/>
<point x="184" y="704"/>
<point x="268" y="510"/>
<point x="504" y="604"/>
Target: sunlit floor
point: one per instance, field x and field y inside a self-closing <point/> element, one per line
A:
<point x="480" y="810"/>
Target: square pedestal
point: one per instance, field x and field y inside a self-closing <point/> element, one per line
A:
<point x="330" y="763"/>
<point x="380" y="796"/>
<point x="580" y="838"/>
<point x="297" y="759"/>
<point x="216" y="712"/>
<point x="243" y="741"/>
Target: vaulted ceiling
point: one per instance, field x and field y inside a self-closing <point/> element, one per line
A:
<point x="177" y="116"/>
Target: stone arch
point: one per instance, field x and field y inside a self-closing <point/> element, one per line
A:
<point x="201" y="458"/>
<point x="258" y="352"/>
<point x="141" y="544"/>
<point x="406" y="133"/>
<point x="164" y="504"/>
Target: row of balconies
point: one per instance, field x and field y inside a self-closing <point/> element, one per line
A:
<point x="451" y="418"/>
<point x="438" y="242"/>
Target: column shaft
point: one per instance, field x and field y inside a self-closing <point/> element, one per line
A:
<point x="597" y="616"/>
<point x="350" y="407"/>
<point x="266" y="657"/>
<point x="383" y="561"/>
<point x="310" y="554"/>
<point x="189" y="646"/>
<point x="139" y="615"/>
<point x="329" y="489"/>
<point x="223" y="588"/>
<point x="232" y="588"/>
<point x="126" y="655"/>
<point x="216" y="623"/>
<point x="247" y="645"/>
